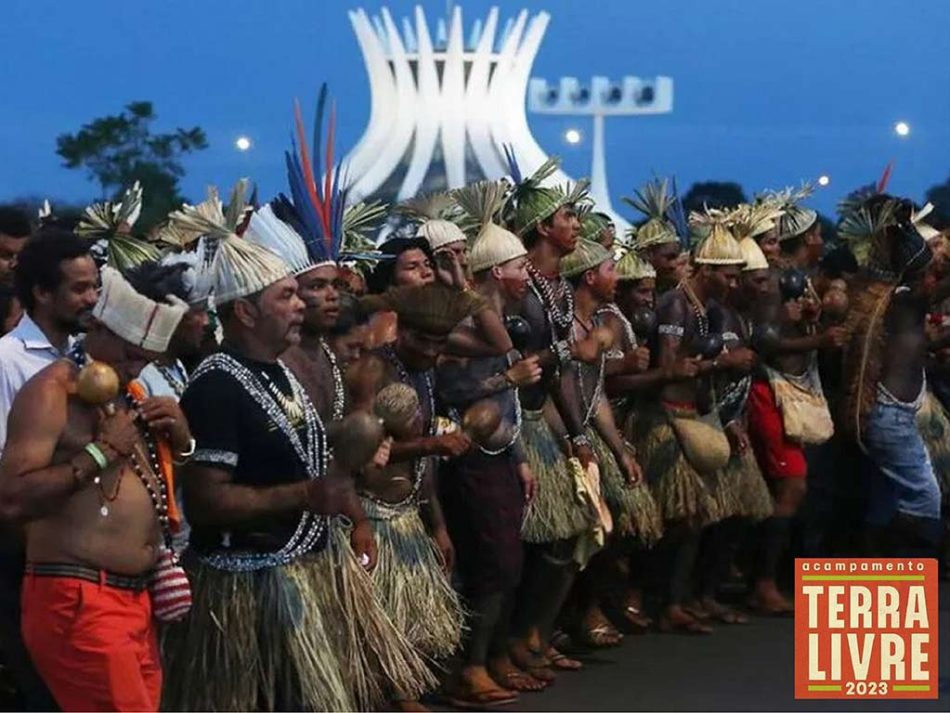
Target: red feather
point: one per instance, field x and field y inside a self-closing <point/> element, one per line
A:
<point x="885" y="177"/>
<point x="305" y="160"/>
<point x="328" y="179"/>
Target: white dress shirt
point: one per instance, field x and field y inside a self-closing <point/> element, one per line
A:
<point x="23" y="352"/>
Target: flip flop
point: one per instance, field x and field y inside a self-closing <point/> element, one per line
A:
<point x="637" y="619"/>
<point x="485" y="699"/>
<point x="564" y="663"/>
<point x="601" y="637"/>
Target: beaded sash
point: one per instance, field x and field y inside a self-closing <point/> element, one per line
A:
<point x="313" y="455"/>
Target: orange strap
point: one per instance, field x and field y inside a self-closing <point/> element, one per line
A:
<point x="166" y="466"/>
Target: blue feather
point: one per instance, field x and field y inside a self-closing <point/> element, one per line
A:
<point x="677" y="216"/>
<point x="318" y="139"/>
<point x="512" y="162"/>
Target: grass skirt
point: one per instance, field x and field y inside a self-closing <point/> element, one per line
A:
<point x="935" y="429"/>
<point x="309" y="636"/>
<point x="681" y="493"/>
<point x="634" y="511"/>
<point x="556" y="512"/>
<point x="411" y="584"/>
<point x="754" y="499"/>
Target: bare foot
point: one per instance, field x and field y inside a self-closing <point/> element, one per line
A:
<point x="768" y="600"/>
<point x="533" y="663"/>
<point x="721" y="612"/>
<point x="676" y="619"/>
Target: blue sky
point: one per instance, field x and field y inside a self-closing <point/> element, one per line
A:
<point x="767" y="92"/>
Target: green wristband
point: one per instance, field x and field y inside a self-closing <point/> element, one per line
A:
<point x="95" y="452"/>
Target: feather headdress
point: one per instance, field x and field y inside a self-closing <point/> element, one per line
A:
<point x="209" y="217"/>
<point x="633" y="267"/>
<point x="317" y="204"/>
<point x="654" y="201"/>
<point x="530" y="202"/>
<point x="238" y="267"/>
<point x="586" y="256"/>
<point x="198" y="278"/>
<point x="749" y="220"/>
<point x="718" y="247"/>
<point x="481" y="203"/>
<point x="437" y="216"/>
<point x="795" y="220"/>
<point x="109" y="225"/>
<point x="594" y="223"/>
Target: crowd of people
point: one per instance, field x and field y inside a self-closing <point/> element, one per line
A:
<point x="260" y="458"/>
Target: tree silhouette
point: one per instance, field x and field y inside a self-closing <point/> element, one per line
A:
<point x="120" y="149"/>
<point x="714" y="194"/>
<point x="939" y="195"/>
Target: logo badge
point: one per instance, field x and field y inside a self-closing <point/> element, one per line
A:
<point x="866" y="628"/>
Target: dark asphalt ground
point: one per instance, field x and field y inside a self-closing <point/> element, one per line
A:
<point x="739" y="668"/>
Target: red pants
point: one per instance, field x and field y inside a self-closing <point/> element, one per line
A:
<point x="778" y="457"/>
<point x="94" y="645"/>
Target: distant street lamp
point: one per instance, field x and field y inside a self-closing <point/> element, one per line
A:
<point x="243" y="143"/>
<point x="824" y="180"/>
<point x="902" y="128"/>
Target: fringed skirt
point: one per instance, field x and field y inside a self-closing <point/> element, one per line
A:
<point x="935" y="430"/>
<point x="633" y="508"/>
<point x="309" y="635"/>
<point x="411" y="583"/>
<point x="681" y="493"/>
<point x="556" y="512"/>
<point x="754" y="499"/>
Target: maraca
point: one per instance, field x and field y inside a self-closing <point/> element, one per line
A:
<point x="835" y="304"/>
<point x="792" y="285"/>
<point x="643" y="320"/>
<point x="97" y="383"/>
<point x="519" y="330"/>
<point x="765" y="338"/>
<point x="708" y="346"/>
<point x="481" y="420"/>
<point x="603" y="336"/>
<point x="355" y="439"/>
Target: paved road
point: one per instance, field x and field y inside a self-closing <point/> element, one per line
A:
<point x="739" y="668"/>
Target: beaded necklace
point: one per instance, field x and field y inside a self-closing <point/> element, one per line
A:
<point x="589" y="406"/>
<point x="139" y="461"/>
<point x="702" y="320"/>
<point x="339" y="394"/>
<point x="612" y="309"/>
<point x="419" y="466"/>
<point x="551" y="300"/>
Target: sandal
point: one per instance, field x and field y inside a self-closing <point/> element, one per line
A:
<point x="562" y="662"/>
<point x="480" y="699"/>
<point x="638" y="622"/>
<point x="601" y="637"/>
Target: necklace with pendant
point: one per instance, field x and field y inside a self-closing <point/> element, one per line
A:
<point x="291" y="406"/>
